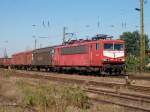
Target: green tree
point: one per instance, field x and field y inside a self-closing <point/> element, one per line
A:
<point x="132" y="49"/>
<point x="132" y="42"/>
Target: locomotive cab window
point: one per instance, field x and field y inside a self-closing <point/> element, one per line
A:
<point x="118" y="47"/>
<point x="108" y="46"/>
<point x="97" y="46"/>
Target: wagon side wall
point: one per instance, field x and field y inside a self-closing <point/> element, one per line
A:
<point x="42" y="57"/>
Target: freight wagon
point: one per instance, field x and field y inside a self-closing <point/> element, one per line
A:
<point x="22" y="60"/>
<point x="42" y="58"/>
<point x="1" y="62"/>
<point x="36" y="59"/>
<point x="5" y="62"/>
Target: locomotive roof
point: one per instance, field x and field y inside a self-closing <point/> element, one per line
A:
<point x="83" y="42"/>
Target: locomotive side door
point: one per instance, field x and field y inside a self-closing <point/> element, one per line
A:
<point x="96" y="54"/>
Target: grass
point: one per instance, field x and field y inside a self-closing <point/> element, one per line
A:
<point x="46" y="97"/>
<point x="52" y="98"/>
<point x="10" y="109"/>
<point x="6" y="73"/>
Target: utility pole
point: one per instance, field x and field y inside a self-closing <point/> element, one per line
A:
<point x="5" y="50"/>
<point x="64" y="34"/>
<point x="142" y="39"/>
<point x="35" y="43"/>
<point x="5" y="53"/>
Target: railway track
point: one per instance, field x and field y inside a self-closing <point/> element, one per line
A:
<point x="134" y="101"/>
<point x="135" y="77"/>
<point x="131" y="101"/>
<point x="86" y="82"/>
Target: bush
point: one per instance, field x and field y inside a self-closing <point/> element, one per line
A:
<point x="132" y="64"/>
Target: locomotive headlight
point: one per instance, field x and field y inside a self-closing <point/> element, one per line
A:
<point x="122" y="59"/>
<point x="105" y="59"/>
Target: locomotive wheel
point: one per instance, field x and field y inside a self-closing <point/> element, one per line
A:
<point x="117" y="71"/>
<point x="110" y="71"/>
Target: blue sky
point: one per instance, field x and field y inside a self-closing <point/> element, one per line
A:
<point x="18" y="16"/>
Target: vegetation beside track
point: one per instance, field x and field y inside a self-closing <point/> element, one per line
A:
<point x="132" y="50"/>
<point x="40" y="97"/>
<point x="18" y="94"/>
<point x="133" y="64"/>
<point x="53" y="98"/>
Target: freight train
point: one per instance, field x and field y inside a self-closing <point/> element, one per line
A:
<point x="99" y="54"/>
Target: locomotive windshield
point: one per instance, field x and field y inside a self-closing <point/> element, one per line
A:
<point x="115" y="47"/>
<point x="108" y="47"/>
<point x="118" y="47"/>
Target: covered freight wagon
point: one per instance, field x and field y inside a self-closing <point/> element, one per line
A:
<point x="22" y="59"/>
<point x="5" y="62"/>
<point x="42" y="57"/>
<point x="1" y="62"/>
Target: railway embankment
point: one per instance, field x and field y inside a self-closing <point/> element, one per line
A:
<point x="97" y="93"/>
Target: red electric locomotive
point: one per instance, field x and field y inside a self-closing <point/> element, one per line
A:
<point x="101" y="53"/>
